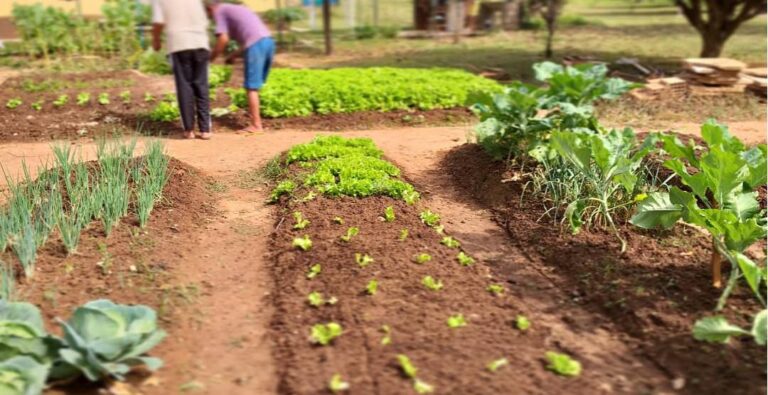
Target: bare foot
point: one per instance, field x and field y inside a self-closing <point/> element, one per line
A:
<point x="188" y="135"/>
<point x="206" y="135"/>
<point x="251" y="130"/>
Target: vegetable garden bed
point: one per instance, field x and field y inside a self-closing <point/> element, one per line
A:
<point x="42" y="107"/>
<point x="419" y="295"/>
<point x="65" y="255"/>
<point x="649" y="296"/>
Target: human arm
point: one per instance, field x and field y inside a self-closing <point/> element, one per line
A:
<point x="158" y="22"/>
<point x="221" y="44"/>
<point x="157" y="36"/>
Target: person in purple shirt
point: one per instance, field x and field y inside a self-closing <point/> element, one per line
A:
<point x="239" y="23"/>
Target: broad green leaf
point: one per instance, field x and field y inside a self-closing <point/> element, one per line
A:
<point x="740" y="235"/>
<point x="756" y="162"/>
<point x="697" y="182"/>
<point x="656" y="211"/>
<point x="573" y="148"/>
<point x="716" y="329"/>
<point x="752" y="273"/>
<point x="759" y="327"/>
<point x="743" y="204"/>
<point x="545" y="70"/>
<point x="715" y="134"/>
<point x="725" y="172"/>
<point x="674" y="147"/>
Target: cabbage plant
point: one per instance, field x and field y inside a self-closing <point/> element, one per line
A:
<point x="22" y="332"/>
<point x="22" y="376"/>
<point x="104" y="339"/>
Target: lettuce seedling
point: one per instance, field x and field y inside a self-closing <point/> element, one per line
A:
<point x="495" y="289"/>
<point x="125" y="96"/>
<point x="314" y="271"/>
<point x="351" y="232"/>
<point x="337" y="384"/>
<point x="450" y="242"/>
<point x="83" y="98"/>
<point x="407" y="366"/>
<point x="422" y="387"/>
<point x="422" y="258"/>
<point x="61" y="100"/>
<point x="431" y="283"/>
<point x="464" y="259"/>
<point x="38" y="105"/>
<point x="13" y="103"/>
<point x="410" y="197"/>
<point x="493" y="366"/>
<point x="522" y="323"/>
<point x="372" y="287"/>
<point x="148" y="98"/>
<point x="429" y="218"/>
<point x="323" y="334"/>
<point x="338" y="220"/>
<point x="563" y="364"/>
<point x="440" y="229"/>
<point x="103" y="98"/>
<point x="363" y="259"/>
<point x="303" y="243"/>
<point x="301" y="222"/>
<point x="285" y="187"/>
<point x="403" y="234"/>
<point x="387" y="339"/>
<point x="456" y="321"/>
<point x="389" y="214"/>
<point x="315" y="299"/>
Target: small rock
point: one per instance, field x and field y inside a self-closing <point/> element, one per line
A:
<point x="678" y="383"/>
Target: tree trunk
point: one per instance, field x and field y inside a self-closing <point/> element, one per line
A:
<point x="550" y="36"/>
<point x="327" y="26"/>
<point x="712" y="44"/>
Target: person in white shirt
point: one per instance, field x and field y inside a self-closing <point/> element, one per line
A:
<point x="185" y="24"/>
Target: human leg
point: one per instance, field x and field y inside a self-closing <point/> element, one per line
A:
<point x="201" y="91"/>
<point x="183" y="76"/>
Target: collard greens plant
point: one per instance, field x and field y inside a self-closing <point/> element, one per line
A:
<point x="720" y="196"/>
<point x="103" y="339"/>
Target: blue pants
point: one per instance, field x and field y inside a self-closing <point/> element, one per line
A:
<point x="258" y="61"/>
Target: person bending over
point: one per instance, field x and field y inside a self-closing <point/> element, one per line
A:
<point x="187" y="40"/>
<point x="239" y="23"/>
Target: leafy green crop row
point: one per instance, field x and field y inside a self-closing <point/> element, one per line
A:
<point x="345" y="167"/>
<point x="305" y="92"/>
<point x="102" y="341"/>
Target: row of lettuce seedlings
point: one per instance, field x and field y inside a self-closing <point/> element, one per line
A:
<point x="353" y="167"/>
<point x="102" y="340"/>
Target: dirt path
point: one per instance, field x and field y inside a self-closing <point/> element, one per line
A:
<point x="226" y="350"/>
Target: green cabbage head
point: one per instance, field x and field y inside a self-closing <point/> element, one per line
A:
<point x="104" y="339"/>
<point x="22" y="375"/>
<point x="22" y="331"/>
